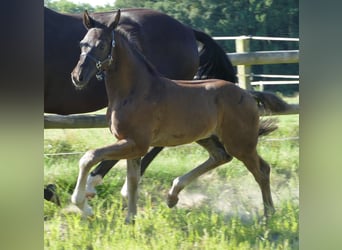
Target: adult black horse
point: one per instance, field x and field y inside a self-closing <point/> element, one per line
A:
<point x="169" y="45"/>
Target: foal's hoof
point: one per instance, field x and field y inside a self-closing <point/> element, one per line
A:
<point x="81" y="204"/>
<point x="269" y="211"/>
<point x="172" y="201"/>
<point x="129" y="221"/>
<point x="87" y="211"/>
<point x="124" y="191"/>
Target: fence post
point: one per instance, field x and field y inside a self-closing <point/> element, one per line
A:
<point x="243" y="71"/>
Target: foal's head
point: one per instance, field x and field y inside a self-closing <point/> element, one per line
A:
<point x="96" y="50"/>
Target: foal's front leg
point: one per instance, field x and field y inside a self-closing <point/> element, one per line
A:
<point x="133" y="177"/>
<point x="145" y="161"/>
<point x="123" y="149"/>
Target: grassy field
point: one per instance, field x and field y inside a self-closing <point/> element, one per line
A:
<point x="221" y="210"/>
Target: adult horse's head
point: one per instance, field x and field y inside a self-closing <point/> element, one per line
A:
<point x="96" y="50"/>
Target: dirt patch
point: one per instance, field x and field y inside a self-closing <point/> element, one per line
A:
<point x="240" y="196"/>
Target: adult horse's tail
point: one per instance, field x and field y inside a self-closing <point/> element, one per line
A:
<point x="214" y="63"/>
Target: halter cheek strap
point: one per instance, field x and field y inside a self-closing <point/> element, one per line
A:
<point x="99" y="64"/>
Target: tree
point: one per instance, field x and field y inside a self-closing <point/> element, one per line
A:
<point x="65" y="6"/>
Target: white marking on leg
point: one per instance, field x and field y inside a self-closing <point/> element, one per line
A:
<point x="124" y="191"/>
<point x="87" y="210"/>
<point x="92" y="182"/>
<point x="79" y="195"/>
<point x="172" y="198"/>
<point x="174" y="187"/>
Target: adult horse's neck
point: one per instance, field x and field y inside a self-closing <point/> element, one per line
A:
<point x="130" y="71"/>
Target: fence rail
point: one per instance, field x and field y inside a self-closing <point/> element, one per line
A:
<point x="99" y="121"/>
<point x="269" y="38"/>
<point x="264" y="57"/>
<point x="243" y="59"/>
<point x="75" y="121"/>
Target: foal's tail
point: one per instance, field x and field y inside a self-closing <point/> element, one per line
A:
<point x="214" y="63"/>
<point x="271" y="102"/>
<point x="267" y="126"/>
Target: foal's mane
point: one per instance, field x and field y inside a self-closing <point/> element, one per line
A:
<point x="133" y="43"/>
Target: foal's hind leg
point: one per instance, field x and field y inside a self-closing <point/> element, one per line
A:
<point x="217" y="157"/>
<point x="261" y="172"/>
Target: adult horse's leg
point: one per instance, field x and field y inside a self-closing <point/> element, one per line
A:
<point x="217" y="157"/>
<point x="96" y="176"/>
<point x="145" y="162"/>
<point x="148" y="158"/>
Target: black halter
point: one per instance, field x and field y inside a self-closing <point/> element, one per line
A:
<point x="98" y="63"/>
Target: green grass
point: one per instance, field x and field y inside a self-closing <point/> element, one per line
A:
<point x="220" y="210"/>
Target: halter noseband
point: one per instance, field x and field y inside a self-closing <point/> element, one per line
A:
<point x="98" y="63"/>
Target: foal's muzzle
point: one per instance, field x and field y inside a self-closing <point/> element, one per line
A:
<point x="80" y="76"/>
<point x="78" y="83"/>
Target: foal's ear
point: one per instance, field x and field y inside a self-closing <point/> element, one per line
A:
<point x="116" y="20"/>
<point x="87" y="20"/>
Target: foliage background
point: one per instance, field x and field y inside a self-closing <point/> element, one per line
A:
<point x="224" y="18"/>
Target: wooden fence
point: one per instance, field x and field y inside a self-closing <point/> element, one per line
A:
<point x="99" y="120"/>
<point x="243" y="59"/>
